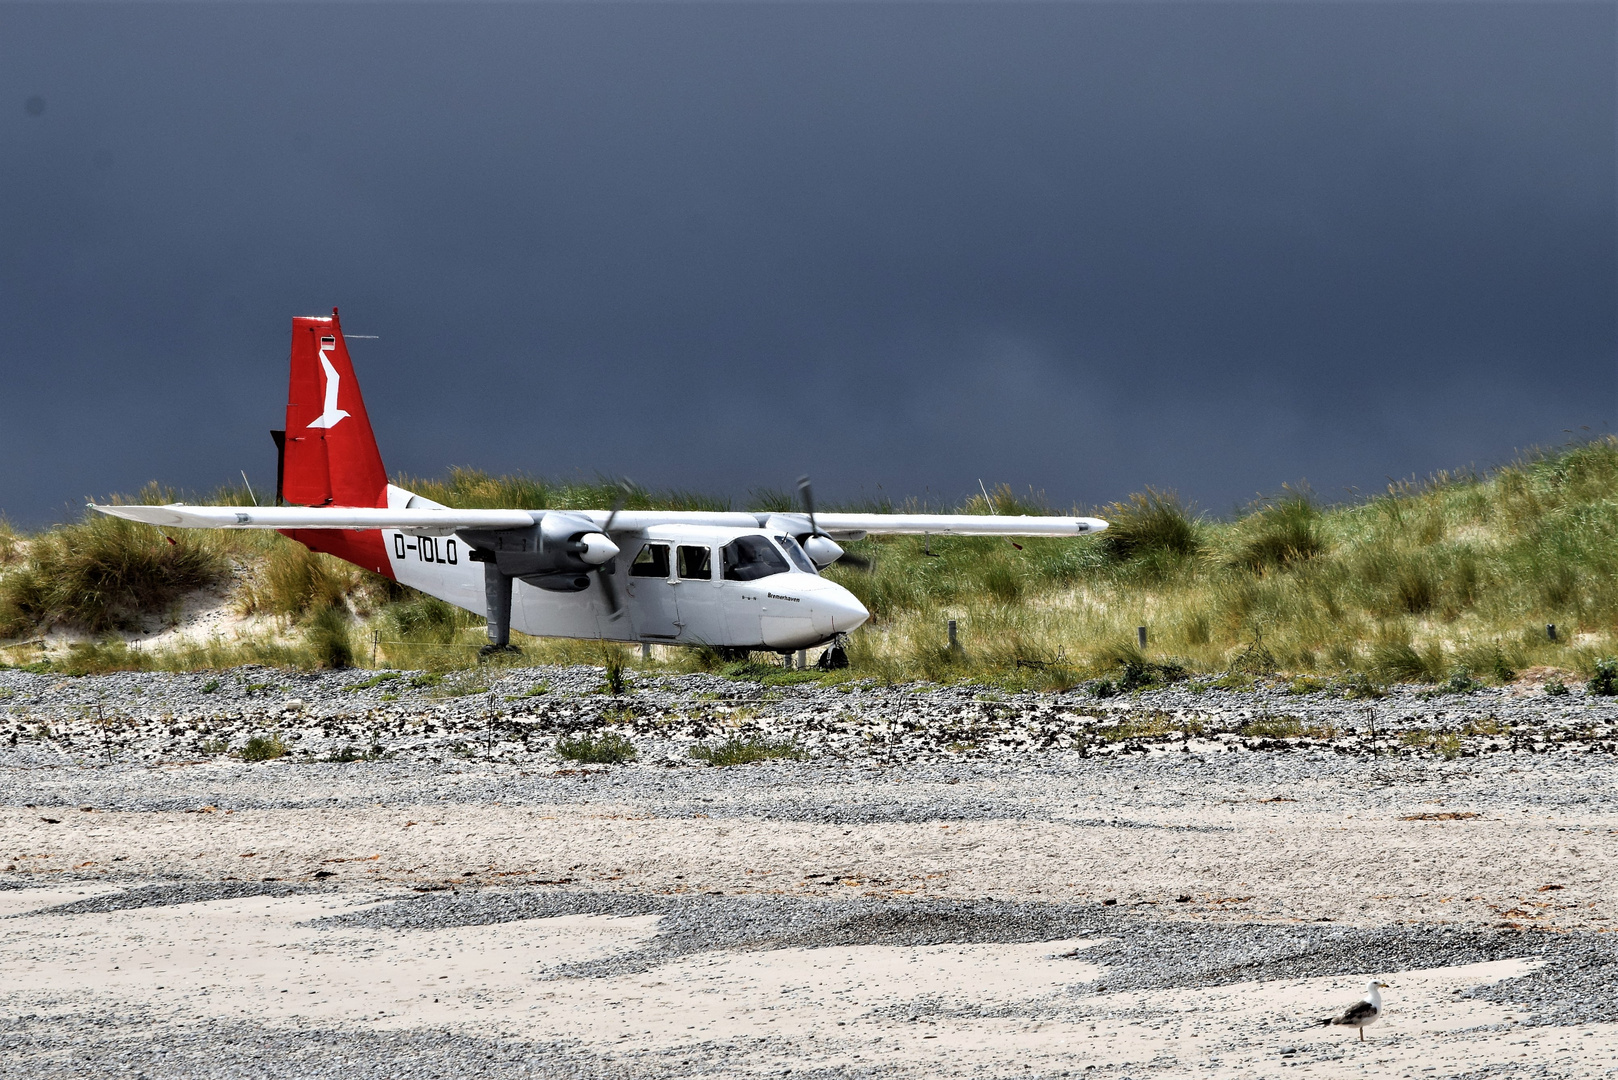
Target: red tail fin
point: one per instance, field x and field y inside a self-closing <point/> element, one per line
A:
<point x="331" y="455"/>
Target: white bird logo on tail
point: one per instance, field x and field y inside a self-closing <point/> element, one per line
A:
<point x="332" y="414"/>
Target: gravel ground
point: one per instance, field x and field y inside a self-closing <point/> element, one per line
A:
<point x="1460" y="845"/>
<point x="517" y="714"/>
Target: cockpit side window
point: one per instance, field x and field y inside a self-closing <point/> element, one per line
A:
<point x="653" y="561"/>
<point x="748" y="558"/>
<point x="694" y="562"/>
<point x="795" y="553"/>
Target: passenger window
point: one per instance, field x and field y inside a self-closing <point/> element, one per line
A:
<point x="748" y="558"/>
<point x="653" y="561"/>
<point x="694" y="563"/>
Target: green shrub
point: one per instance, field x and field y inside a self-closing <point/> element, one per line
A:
<point x="1358" y="686"/>
<point x="1604" y="683"/>
<point x="740" y="751"/>
<point x="1139" y="672"/>
<point x="609" y="748"/>
<point x="263" y="748"/>
<point x="612" y="664"/>
<point x="1460" y="681"/>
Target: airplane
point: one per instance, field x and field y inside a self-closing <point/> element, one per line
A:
<point x="737" y="582"/>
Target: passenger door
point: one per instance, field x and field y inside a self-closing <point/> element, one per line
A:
<point x="652" y="607"/>
<point x="702" y="617"/>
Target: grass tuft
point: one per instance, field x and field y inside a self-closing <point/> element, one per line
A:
<point x="330" y="637"/>
<point x="609" y="748"/>
<point x="742" y="751"/>
<point x="1148" y="523"/>
<point x="264" y="748"/>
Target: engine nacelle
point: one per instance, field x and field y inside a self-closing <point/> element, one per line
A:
<point x="561" y="544"/>
<point x="822" y="550"/>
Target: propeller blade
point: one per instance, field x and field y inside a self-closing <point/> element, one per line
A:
<point x="625" y="489"/>
<point x="807" y="495"/>
<point x="610" y="590"/>
<point x="603" y="573"/>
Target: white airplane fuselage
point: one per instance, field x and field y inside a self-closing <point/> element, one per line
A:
<point x="679" y="598"/>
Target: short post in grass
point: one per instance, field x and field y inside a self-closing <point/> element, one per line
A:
<point x="1140" y="635"/>
<point x="954" y="641"/>
<point x="376" y="636"/>
<point x="803" y="659"/>
<point x="1550" y="631"/>
<point x="646" y="651"/>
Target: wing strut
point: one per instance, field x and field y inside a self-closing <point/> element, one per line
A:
<point x="497" y="599"/>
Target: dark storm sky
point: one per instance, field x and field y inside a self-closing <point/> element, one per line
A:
<point x="1083" y="247"/>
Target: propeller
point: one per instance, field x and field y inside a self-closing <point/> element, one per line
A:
<point x="807" y="495"/>
<point x="604" y="571"/>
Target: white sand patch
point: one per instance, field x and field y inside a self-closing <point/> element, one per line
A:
<point x="921" y="1011"/>
<point x="250" y="955"/>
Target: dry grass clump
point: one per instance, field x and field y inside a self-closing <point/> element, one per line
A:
<point x="11" y="544"/>
<point x="1148" y="523"/>
<point x="1280" y="532"/>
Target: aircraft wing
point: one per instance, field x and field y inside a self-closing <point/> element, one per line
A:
<point x="854" y="526"/>
<point x="444" y="520"/>
<point x="441" y="521"/>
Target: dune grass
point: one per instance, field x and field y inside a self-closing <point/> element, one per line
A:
<point x="1459" y="571"/>
<point x="103" y="573"/>
<point x="1448" y="580"/>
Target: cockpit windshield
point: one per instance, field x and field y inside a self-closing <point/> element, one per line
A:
<point x="795" y="553"/>
<point x="748" y="558"/>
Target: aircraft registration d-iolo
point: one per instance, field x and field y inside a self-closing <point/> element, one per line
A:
<point x="729" y="580"/>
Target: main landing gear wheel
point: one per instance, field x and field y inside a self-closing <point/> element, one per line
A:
<point x="506" y="649"/>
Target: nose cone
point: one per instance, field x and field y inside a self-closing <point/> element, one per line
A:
<point x="837" y="611"/>
<point x="597" y="548"/>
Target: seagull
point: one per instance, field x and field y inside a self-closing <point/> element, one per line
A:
<point x="332" y="413"/>
<point x="1364" y="1012"/>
